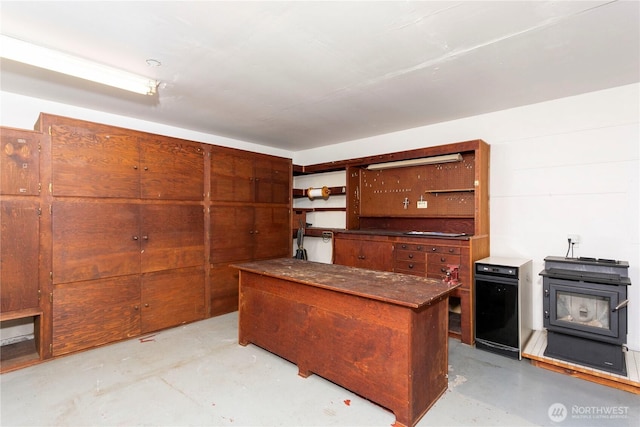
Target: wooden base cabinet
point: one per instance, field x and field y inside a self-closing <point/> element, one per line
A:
<point x="424" y="257"/>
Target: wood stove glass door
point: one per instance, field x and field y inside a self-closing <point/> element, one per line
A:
<point x="583" y="308"/>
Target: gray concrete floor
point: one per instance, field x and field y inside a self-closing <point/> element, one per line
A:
<point x="198" y="375"/>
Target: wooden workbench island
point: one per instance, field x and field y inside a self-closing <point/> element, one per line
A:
<point x="381" y="335"/>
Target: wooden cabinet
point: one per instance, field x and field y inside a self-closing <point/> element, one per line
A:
<point x="19" y="253"/>
<point x="250" y="217"/>
<point x="418" y="256"/>
<point x="444" y="196"/>
<point x="127" y="232"/>
<point x="410" y="259"/>
<point x="110" y="233"/>
<point x="96" y="312"/>
<point x="20" y="225"/>
<point x="93" y="160"/>
<point x="19" y="162"/>
<point x="242" y="176"/>
<point x="363" y="252"/>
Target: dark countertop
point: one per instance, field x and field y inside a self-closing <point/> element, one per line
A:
<point x="420" y="234"/>
<point x="401" y="289"/>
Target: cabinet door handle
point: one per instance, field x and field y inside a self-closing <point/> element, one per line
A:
<point x="146" y="168"/>
<point x="146" y="305"/>
<point x="135" y="167"/>
<point x="135" y="307"/>
<point x="250" y="231"/>
<point x="135" y="237"/>
<point x="256" y="232"/>
<point x="145" y="237"/>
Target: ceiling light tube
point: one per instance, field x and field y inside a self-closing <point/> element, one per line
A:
<point x="26" y="53"/>
<point x="447" y="158"/>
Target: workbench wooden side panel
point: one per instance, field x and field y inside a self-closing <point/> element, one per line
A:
<point x="429" y="357"/>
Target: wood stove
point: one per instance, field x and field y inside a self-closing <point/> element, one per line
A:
<point x="584" y="311"/>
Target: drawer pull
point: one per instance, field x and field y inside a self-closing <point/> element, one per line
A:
<point x="443" y="259"/>
<point x="410" y="255"/>
<point x="451" y="250"/>
<point x="434" y="249"/>
<point x="410" y="265"/>
<point x="404" y="246"/>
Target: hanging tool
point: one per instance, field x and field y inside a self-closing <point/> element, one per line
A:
<point x="301" y="252"/>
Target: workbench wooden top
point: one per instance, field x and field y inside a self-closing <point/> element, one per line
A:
<point x="395" y="288"/>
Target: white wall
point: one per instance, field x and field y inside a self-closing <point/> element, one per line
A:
<point x="569" y="166"/>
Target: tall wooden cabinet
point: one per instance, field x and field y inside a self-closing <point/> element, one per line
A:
<point x="127" y="226"/>
<point x="110" y="233"/>
<point x="20" y="213"/>
<point x="444" y="202"/>
<point x="250" y="217"/>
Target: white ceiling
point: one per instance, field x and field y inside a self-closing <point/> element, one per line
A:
<point x="298" y="75"/>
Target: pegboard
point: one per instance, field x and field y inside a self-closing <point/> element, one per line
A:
<point x="445" y="189"/>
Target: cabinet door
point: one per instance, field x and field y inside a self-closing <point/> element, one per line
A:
<point x="94" y="240"/>
<point x="171" y="236"/>
<point x="272" y="233"/>
<point x="171" y="169"/>
<point x="172" y="297"/>
<point x="19" y="240"/>
<point x="94" y="163"/>
<point x="231" y="175"/>
<point x="232" y="233"/>
<point x="369" y="254"/>
<point x="88" y="314"/>
<point x="19" y="162"/>
<point x="272" y="178"/>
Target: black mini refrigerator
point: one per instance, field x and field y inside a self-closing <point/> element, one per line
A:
<point x="502" y="301"/>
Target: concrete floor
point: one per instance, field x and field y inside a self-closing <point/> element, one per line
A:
<point x="198" y="375"/>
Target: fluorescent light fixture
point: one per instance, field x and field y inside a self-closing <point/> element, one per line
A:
<point x="26" y="53"/>
<point x="447" y="158"/>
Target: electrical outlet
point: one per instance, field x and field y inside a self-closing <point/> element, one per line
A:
<point x="575" y="238"/>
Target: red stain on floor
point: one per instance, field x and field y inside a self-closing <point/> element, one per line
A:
<point x="347" y="402"/>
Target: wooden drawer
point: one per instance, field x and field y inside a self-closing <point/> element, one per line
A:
<point x="410" y="267"/>
<point x="411" y="256"/>
<point x="410" y="247"/>
<point x="451" y="250"/>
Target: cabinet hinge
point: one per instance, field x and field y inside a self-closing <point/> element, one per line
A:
<point x="49" y="130"/>
<point x="50" y="187"/>
<point x="50" y="209"/>
<point x="39" y="211"/>
<point x="51" y="275"/>
<point x="39" y="187"/>
<point x="50" y="348"/>
<point x="51" y="297"/>
<point x="39" y="294"/>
